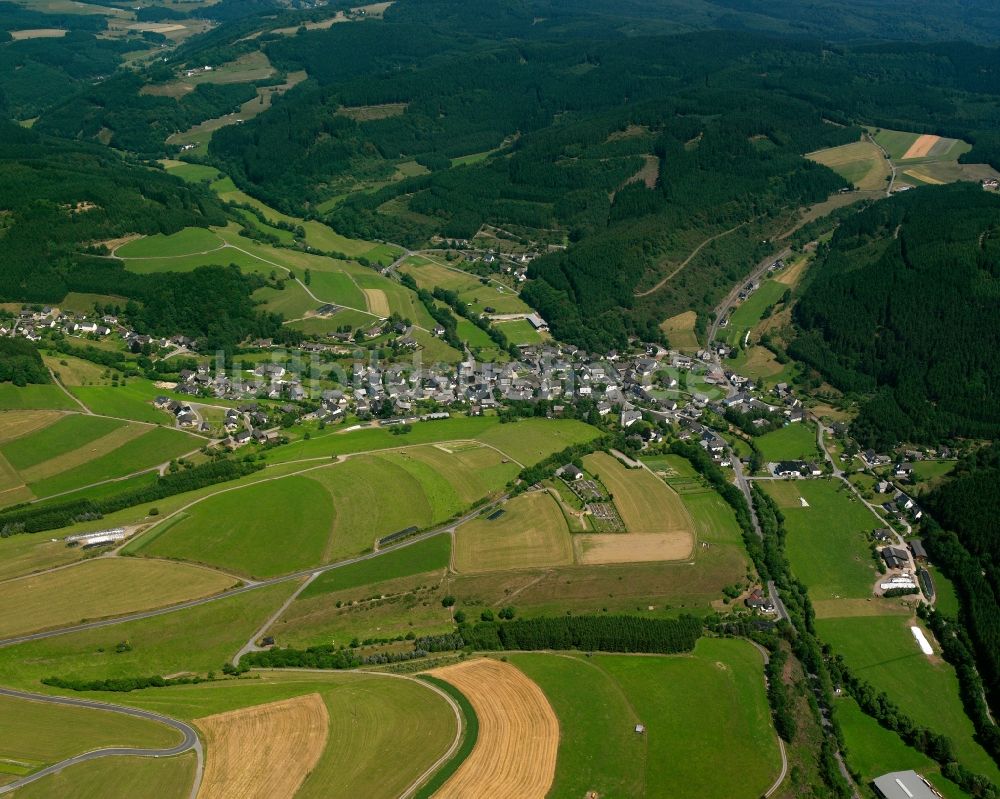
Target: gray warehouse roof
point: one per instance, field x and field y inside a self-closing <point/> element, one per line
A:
<point x="903" y="785"/>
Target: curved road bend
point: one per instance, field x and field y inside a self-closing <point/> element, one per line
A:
<point x="284" y="578"/>
<point x="190" y="740"/>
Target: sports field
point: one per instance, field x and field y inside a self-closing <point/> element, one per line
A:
<point x="792" y="442"/>
<point x="532" y="532"/>
<point x="520" y="331"/>
<point x="882" y="651"/>
<point x="827" y="541"/>
<point x="515" y="754"/>
<point x="749" y="314"/>
<point x="719" y="749"/>
<point x="100" y="588"/>
<point x="860" y="163"/>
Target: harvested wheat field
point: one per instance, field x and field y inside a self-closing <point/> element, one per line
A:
<point x="515" y="753"/>
<point x="605" y="548"/>
<point x="922" y="147"/>
<point x="263" y="751"/>
<point x="378" y="303"/>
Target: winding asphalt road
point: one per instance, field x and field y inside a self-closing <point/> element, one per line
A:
<point x="189" y="743"/>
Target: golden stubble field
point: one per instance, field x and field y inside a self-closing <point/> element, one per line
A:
<point x="515" y="754"/>
<point x="263" y="752"/>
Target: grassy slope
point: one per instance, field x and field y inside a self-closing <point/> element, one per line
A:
<point x="151" y="448"/>
<point x="44" y="396"/>
<point x="36" y="734"/>
<point x="827" y="541"/>
<point x="531" y="533"/>
<point x="197" y="639"/>
<point x="100" y="588"/>
<point x="873" y="750"/>
<point x="66" y="434"/>
<point x="646" y="503"/>
<point x="134" y="777"/>
<point x="722" y="748"/>
<point x="792" y="442"/>
<point x="240" y="530"/>
<point x="882" y="651"/>
<point x="429" y="555"/>
<point x="341" y="442"/>
<point x="370" y="715"/>
<point x="531" y="440"/>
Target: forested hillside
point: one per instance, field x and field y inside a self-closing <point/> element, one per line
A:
<point x="967" y="546"/>
<point x="60" y="200"/>
<point x="903" y="308"/>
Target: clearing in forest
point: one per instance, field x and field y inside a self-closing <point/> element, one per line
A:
<point x="680" y="330"/>
<point x="263" y="751"/>
<point x="515" y="753"/>
<point x="860" y="163"/>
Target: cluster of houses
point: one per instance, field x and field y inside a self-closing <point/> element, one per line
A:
<point x="31" y="324"/>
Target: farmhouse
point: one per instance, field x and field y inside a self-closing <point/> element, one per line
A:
<point x="795" y="469"/>
<point x="538" y="323"/>
<point x="759" y="601"/>
<point x="904" y="785"/>
<point x="895" y="558"/>
<point x="883" y="535"/>
<point x="917" y="548"/>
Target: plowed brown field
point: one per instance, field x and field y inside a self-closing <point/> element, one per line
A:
<point x="921" y="147"/>
<point x="515" y="754"/>
<point x="264" y="751"/>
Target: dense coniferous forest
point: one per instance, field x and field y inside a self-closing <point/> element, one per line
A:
<point x="903" y="306"/>
<point x="20" y="363"/>
<point x="964" y="539"/>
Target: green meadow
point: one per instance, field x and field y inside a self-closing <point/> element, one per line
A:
<point x="827" y="540"/>
<point x="882" y="651"/>
<point x="719" y="749"/>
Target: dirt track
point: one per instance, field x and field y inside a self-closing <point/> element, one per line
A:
<point x="265" y="751"/>
<point x="515" y="754"/>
